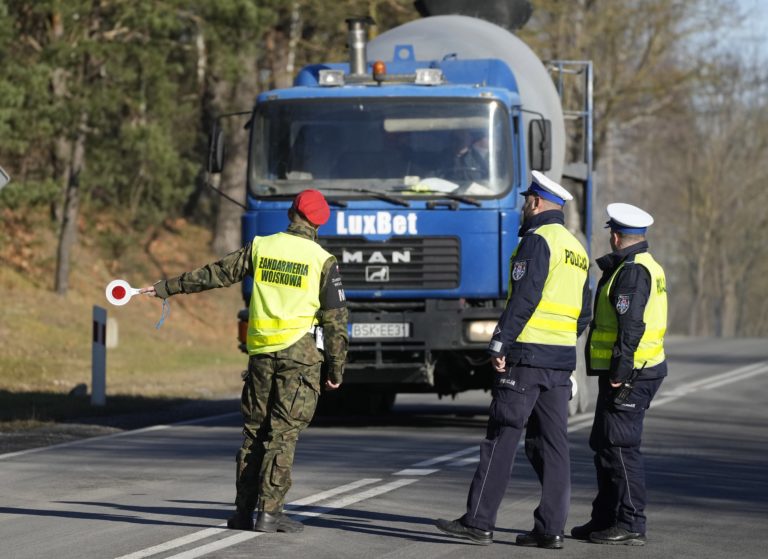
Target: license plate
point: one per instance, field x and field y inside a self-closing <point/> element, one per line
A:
<point x="380" y="330"/>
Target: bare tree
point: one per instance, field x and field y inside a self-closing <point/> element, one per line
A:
<point x="700" y="167"/>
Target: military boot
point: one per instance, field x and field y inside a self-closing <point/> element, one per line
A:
<point x="240" y="521"/>
<point x="276" y="522"/>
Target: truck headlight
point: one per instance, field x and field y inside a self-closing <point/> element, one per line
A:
<point x="479" y="330"/>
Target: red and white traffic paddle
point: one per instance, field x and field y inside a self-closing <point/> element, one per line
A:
<point x="119" y="292"/>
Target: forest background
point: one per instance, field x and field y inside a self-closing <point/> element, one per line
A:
<point x="105" y="107"/>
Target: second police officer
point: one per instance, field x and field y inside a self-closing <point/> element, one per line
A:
<point x="625" y="346"/>
<point x="533" y="350"/>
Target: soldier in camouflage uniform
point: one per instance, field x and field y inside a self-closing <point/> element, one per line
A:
<point x="282" y="383"/>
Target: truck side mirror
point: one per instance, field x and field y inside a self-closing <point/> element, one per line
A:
<point x="215" y="163"/>
<point x="540" y="144"/>
<point x="4" y="178"/>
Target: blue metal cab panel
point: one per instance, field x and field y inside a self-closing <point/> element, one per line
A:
<point x="509" y="98"/>
<point x="473" y="245"/>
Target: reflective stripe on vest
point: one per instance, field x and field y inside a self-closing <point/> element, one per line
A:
<point x="286" y="291"/>
<point x="650" y="350"/>
<point x="553" y="322"/>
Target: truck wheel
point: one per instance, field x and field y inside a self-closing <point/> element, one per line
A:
<point x="364" y="401"/>
<point x="387" y="402"/>
<point x="357" y="400"/>
<point x="330" y="404"/>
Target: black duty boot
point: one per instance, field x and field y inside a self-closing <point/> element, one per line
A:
<point x="457" y="528"/>
<point x="535" y="539"/>
<point x="240" y="521"/>
<point x="276" y="522"/>
<point x="617" y="536"/>
<point x="582" y="532"/>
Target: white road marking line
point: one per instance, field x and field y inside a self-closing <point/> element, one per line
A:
<point x="415" y="472"/>
<point x="116" y="435"/>
<point x="716" y="384"/>
<point x="318" y="511"/>
<point x="217" y="545"/>
<point x="244" y="536"/>
<point x="466" y="461"/>
<point x="446" y="457"/>
<point x="707" y="383"/>
<point x="676" y="394"/>
<point x="352" y="499"/>
<point x="735" y="374"/>
<point x="178" y="542"/>
<point x="333" y="492"/>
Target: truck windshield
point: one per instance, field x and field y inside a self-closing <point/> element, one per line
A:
<point x="414" y="146"/>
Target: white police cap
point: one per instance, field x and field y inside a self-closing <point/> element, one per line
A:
<point x="627" y="218"/>
<point x="548" y="189"/>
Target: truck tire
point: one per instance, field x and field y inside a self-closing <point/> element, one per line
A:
<point x="363" y="400"/>
<point x="356" y="400"/>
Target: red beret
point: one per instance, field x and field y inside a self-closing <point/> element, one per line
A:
<point x="311" y="204"/>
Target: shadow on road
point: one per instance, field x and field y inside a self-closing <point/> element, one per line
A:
<point x="110" y="517"/>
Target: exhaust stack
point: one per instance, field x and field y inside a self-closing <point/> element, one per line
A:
<point x="357" y="39"/>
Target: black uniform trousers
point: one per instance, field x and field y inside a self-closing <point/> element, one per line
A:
<point x="538" y="398"/>
<point x="616" y="435"/>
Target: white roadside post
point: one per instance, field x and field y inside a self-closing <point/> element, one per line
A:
<point x="99" y="357"/>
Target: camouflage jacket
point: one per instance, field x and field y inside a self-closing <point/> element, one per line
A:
<point x="234" y="267"/>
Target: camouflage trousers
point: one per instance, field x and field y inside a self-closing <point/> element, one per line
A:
<point x="278" y="401"/>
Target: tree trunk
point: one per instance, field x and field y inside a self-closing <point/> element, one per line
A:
<point x="280" y="59"/>
<point x="226" y="233"/>
<point x="68" y="230"/>
<point x="729" y="310"/>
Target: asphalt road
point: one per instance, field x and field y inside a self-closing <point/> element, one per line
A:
<point x="371" y="488"/>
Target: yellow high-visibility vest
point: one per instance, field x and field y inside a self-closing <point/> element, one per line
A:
<point x="650" y="350"/>
<point x="286" y="291"/>
<point x="554" y="321"/>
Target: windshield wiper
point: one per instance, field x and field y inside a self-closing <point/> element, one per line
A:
<point x="375" y="194"/>
<point x="451" y="195"/>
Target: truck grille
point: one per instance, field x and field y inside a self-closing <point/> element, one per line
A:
<point x="398" y="263"/>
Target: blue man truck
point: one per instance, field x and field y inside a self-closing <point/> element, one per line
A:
<point x="423" y="232"/>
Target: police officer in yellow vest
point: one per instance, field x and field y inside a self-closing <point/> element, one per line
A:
<point x="297" y="306"/>
<point x="626" y="350"/>
<point x="533" y="351"/>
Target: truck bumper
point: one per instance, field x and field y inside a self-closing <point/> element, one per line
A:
<point x="437" y="354"/>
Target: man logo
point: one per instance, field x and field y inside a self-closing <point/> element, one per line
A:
<point x="375" y="257"/>
<point x="377" y="273"/>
